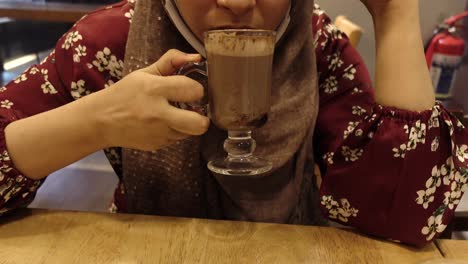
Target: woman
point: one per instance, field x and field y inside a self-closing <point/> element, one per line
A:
<point x="393" y="163"/>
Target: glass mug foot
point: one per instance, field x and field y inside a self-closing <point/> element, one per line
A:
<point x="239" y="166"/>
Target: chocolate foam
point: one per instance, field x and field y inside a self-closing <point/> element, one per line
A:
<point x="240" y="43"/>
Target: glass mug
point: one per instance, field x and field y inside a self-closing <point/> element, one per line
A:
<point x="239" y="70"/>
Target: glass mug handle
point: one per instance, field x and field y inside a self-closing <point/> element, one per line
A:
<point x="196" y="71"/>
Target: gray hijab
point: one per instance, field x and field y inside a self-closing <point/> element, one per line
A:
<point x="175" y="181"/>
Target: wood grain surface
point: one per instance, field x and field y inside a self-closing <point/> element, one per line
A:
<point x="454" y="249"/>
<point x="41" y="236"/>
<point x="54" y="12"/>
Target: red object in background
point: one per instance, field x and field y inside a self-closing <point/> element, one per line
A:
<point x="444" y="55"/>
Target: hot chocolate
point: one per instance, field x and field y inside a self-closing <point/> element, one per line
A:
<point x="239" y="79"/>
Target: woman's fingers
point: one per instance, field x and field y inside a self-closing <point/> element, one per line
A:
<point x="170" y="62"/>
<point x="187" y="122"/>
<point x="179" y="89"/>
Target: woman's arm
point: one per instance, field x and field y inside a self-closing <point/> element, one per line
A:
<point x="387" y="171"/>
<point x="402" y="78"/>
<point x="43" y="143"/>
<point x="117" y="116"/>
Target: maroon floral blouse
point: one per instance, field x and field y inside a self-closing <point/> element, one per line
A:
<point x="388" y="172"/>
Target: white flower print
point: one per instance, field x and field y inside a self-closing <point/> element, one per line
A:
<point x="317" y="37"/>
<point x="399" y="152"/>
<point x="449" y="124"/>
<point x="35" y="186"/>
<point x="72" y="37"/>
<point x="434" y="226"/>
<point x="425" y="197"/>
<point x="356" y="90"/>
<point x="451" y="199"/>
<point x="350" y="129"/>
<point x="435" y="144"/>
<point x="129" y="15"/>
<point x="406" y="128"/>
<point x="4" y="169"/>
<point x="102" y="59"/>
<point x="78" y="89"/>
<point x="51" y="55"/>
<point x="5" y="156"/>
<point x="330" y="85"/>
<point x="448" y="171"/>
<point x="351" y="154"/>
<point x="21" y="78"/>
<point x="317" y="10"/>
<point x="341" y="211"/>
<point x="462" y="153"/>
<point x="113" y="208"/>
<point x="328" y="202"/>
<point x="116" y="67"/>
<point x="349" y="72"/>
<point x="371" y="118"/>
<point x="434" y="120"/>
<point x="329" y="157"/>
<point x="33" y="70"/>
<point x="109" y="84"/>
<point x="357" y="110"/>
<point x="45" y="73"/>
<point x="334" y="61"/>
<point x="80" y="51"/>
<point x="334" y="32"/>
<point x="458" y="186"/>
<point x="11" y="192"/>
<point x="315" y="42"/>
<point x="417" y="134"/>
<point x="359" y="132"/>
<point x="2" y="89"/>
<point x="448" y="176"/>
<point x="434" y="180"/>
<point x="48" y="88"/>
<point x="113" y="156"/>
<point x="6" y="104"/>
<point x="19" y="178"/>
<point x="107" y="61"/>
<point x="420" y="129"/>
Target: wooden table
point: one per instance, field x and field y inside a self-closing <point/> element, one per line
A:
<point x="55" y="12"/>
<point x="41" y="236"/>
<point x="454" y="249"/>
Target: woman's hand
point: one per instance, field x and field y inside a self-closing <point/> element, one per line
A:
<point x="137" y="112"/>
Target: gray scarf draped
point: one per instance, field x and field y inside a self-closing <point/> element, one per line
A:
<point x="175" y="181"/>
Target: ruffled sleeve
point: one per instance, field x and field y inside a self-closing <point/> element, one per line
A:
<point x="84" y="61"/>
<point x="389" y="172"/>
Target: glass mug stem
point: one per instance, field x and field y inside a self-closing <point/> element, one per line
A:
<point x="239" y="145"/>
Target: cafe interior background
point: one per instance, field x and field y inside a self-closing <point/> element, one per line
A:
<point x="25" y="42"/>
